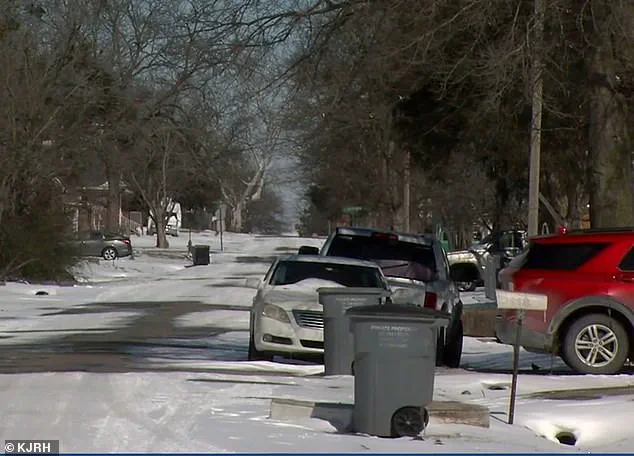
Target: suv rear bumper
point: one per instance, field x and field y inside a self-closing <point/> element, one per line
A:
<point x="505" y="331"/>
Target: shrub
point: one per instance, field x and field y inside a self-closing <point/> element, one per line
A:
<point x="33" y="237"/>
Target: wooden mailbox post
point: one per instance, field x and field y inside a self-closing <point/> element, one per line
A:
<point x="521" y="302"/>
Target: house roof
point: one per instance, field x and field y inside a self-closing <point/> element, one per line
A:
<point x="106" y="186"/>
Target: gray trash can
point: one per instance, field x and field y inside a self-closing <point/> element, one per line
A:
<point x="338" y="349"/>
<point x="200" y="254"/>
<point x="394" y="362"/>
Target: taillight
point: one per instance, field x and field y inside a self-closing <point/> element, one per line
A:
<point x="392" y="237"/>
<point x="430" y="300"/>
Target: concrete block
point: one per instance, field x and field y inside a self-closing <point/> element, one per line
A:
<point x="479" y="322"/>
<point x="340" y="414"/>
<point x="458" y="413"/>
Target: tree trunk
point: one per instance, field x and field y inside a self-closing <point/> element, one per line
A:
<point x="384" y="198"/>
<point x="161" y="224"/>
<point x="394" y="187"/>
<point x="573" y="214"/>
<point x="113" y="208"/>
<point x="406" y="193"/>
<point x="238" y="200"/>
<point x="237" y="221"/>
<point x="610" y="180"/>
<point x="501" y="200"/>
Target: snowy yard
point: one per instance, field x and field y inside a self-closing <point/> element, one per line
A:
<point x="149" y="354"/>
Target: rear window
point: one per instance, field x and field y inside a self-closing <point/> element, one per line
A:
<point x="291" y="272"/>
<point x="563" y="257"/>
<point x="396" y="258"/>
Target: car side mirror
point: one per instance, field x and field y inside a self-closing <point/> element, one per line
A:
<point x="511" y="252"/>
<point x="464" y="272"/>
<point x="308" y="250"/>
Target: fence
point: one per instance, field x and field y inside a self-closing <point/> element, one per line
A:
<point x="132" y="224"/>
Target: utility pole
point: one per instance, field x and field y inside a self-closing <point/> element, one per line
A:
<point x="536" y="122"/>
<point x="222" y="208"/>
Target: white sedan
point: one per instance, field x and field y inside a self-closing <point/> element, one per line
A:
<point x="286" y="316"/>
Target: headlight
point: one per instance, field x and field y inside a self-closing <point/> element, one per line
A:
<point x="276" y="313"/>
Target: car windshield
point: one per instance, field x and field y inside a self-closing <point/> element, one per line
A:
<point x="398" y="259"/>
<point x="291" y="272"/>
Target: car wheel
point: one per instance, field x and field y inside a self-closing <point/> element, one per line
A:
<point x="409" y="421"/>
<point x="453" y="347"/>
<point x="109" y="253"/>
<point x="466" y="286"/>
<point x="596" y="344"/>
<point x="255" y="355"/>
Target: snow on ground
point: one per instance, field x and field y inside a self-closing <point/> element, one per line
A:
<point x="25" y="330"/>
<point x="198" y="392"/>
<point x="228" y="319"/>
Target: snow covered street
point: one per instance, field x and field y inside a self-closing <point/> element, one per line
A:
<point x="149" y="354"/>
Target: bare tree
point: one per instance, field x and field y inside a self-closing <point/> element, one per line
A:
<point x="611" y="38"/>
<point x="466" y="68"/>
<point x="46" y="94"/>
<point x="172" y="49"/>
<point x="159" y="150"/>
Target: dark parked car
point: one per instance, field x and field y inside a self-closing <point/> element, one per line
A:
<point x="417" y="272"/>
<point x="101" y="244"/>
<point x="587" y="279"/>
<point x="504" y="244"/>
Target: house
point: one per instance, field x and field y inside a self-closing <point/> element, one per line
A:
<point x="87" y="208"/>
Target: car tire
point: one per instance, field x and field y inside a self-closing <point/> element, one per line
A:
<point x="255" y="355"/>
<point x="580" y="353"/>
<point x="466" y="286"/>
<point x="452" y="351"/>
<point x="109" y="253"/>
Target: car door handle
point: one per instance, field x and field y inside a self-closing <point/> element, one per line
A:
<point x="624" y="277"/>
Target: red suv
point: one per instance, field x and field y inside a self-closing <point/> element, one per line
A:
<point x="587" y="277"/>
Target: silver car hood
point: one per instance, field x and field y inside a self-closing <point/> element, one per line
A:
<point x="302" y="295"/>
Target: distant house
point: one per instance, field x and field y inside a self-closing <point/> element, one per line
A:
<point x="87" y="208"/>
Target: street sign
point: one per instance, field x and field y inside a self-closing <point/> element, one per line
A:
<point x="520" y="301"/>
<point x="351" y="209"/>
